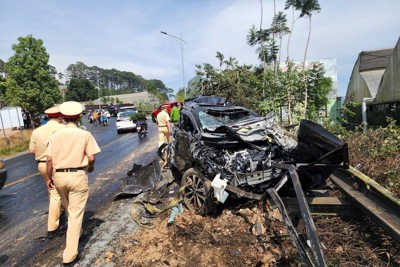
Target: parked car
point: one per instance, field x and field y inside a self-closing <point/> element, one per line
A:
<point x="127" y="108"/>
<point x="3" y="174"/>
<point x="113" y="110"/>
<point x="155" y="112"/>
<point x="124" y="122"/>
<point x="220" y="148"/>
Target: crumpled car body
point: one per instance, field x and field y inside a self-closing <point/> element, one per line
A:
<point x="249" y="153"/>
<point x="3" y="174"/>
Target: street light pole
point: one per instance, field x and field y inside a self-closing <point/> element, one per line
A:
<point x="181" y="41"/>
<point x="98" y="92"/>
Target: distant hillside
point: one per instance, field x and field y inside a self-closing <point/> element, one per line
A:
<point x="115" y="82"/>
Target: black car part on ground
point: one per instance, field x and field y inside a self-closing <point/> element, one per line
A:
<point x="3" y="174"/>
<point x="139" y="179"/>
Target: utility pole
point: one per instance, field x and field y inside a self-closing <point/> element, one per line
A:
<point x="181" y="41"/>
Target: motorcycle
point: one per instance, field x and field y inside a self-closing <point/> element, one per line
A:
<point x="141" y="128"/>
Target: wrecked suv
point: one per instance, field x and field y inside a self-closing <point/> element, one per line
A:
<point x="225" y="151"/>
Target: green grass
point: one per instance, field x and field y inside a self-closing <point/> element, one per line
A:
<point x="14" y="142"/>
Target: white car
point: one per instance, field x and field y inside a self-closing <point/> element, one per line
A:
<point x="124" y="122"/>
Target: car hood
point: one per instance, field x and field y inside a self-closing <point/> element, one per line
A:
<point x="254" y="133"/>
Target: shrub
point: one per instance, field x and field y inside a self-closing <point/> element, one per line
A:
<point x="138" y="116"/>
<point x="377" y="152"/>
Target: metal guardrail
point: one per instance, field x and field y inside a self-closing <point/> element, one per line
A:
<point x="372" y="199"/>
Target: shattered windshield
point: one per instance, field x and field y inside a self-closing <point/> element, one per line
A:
<point x="212" y="119"/>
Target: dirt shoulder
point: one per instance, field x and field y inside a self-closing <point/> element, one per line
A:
<point x="236" y="236"/>
<point x="244" y="236"/>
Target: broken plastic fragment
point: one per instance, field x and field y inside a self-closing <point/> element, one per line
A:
<point x="219" y="186"/>
<point x="175" y="211"/>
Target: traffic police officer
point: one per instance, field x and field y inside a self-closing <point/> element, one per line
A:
<point x="37" y="146"/>
<point x="164" y="126"/>
<point x="70" y="152"/>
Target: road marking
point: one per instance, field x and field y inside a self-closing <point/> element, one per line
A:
<point x="20" y="180"/>
<point x="33" y="175"/>
<point x="122" y="137"/>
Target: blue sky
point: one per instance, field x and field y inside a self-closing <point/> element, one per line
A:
<point x="125" y="34"/>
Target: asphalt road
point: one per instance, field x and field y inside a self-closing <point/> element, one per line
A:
<point x="24" y="203"/>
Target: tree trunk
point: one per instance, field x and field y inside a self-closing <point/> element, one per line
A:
<point x="290" y="35"/>
<point x="289" y="107"/>
<point x="304" y="65"/>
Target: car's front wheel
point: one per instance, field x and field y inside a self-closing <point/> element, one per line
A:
<point x="198" y="192"/>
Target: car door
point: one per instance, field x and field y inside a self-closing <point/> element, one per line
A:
<point x="184" y="133"/>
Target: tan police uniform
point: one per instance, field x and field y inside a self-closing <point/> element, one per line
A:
<point x="164" y="127"/>
<point x="70" y="152"/>
<point x="37" y="145"/>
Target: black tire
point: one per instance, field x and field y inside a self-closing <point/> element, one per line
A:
<point x="162" y="152"/>
<point x="198" y="192"/>
<point x="118" y="131"/>
<point x="141" y="134"/>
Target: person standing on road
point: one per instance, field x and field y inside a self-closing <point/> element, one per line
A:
<point x="95" y="117"/>
<point x="25" y="118"/>
<point x="104" y="119"/>
<point x="164" y="126"/>
<point x="37" y="146"/>
<point x="175" y="113"/>
<point x="70" y="152"/>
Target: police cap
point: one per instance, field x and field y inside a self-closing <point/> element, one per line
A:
<point x="71" y="109"/>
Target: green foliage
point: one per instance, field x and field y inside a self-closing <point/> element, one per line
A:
<point x="339" y="125"/>
<point x="107" y="100"/>
<point x="266" y="90"/>
<point x="239" y="84"/>
<point x="30" y="82"/>
<point x="279" y="28"/>
<point x="145" y="106"/>
<point x="80" y="90"/>
<point x="180" y="96"/>
<point x="318" y="89"/>
<point x="158" y="89"/>
<point x="347" y="110"/>
<point x="139" y="116"/>
<point x="306" y="7"/>
<point x="391" y="141"/>
<point x="378" y="153"/>
<point x="2" y="80"/>
<point x="103" y="99"/>
<point x="267" y="49"/>
<point x="2" y="87"/>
